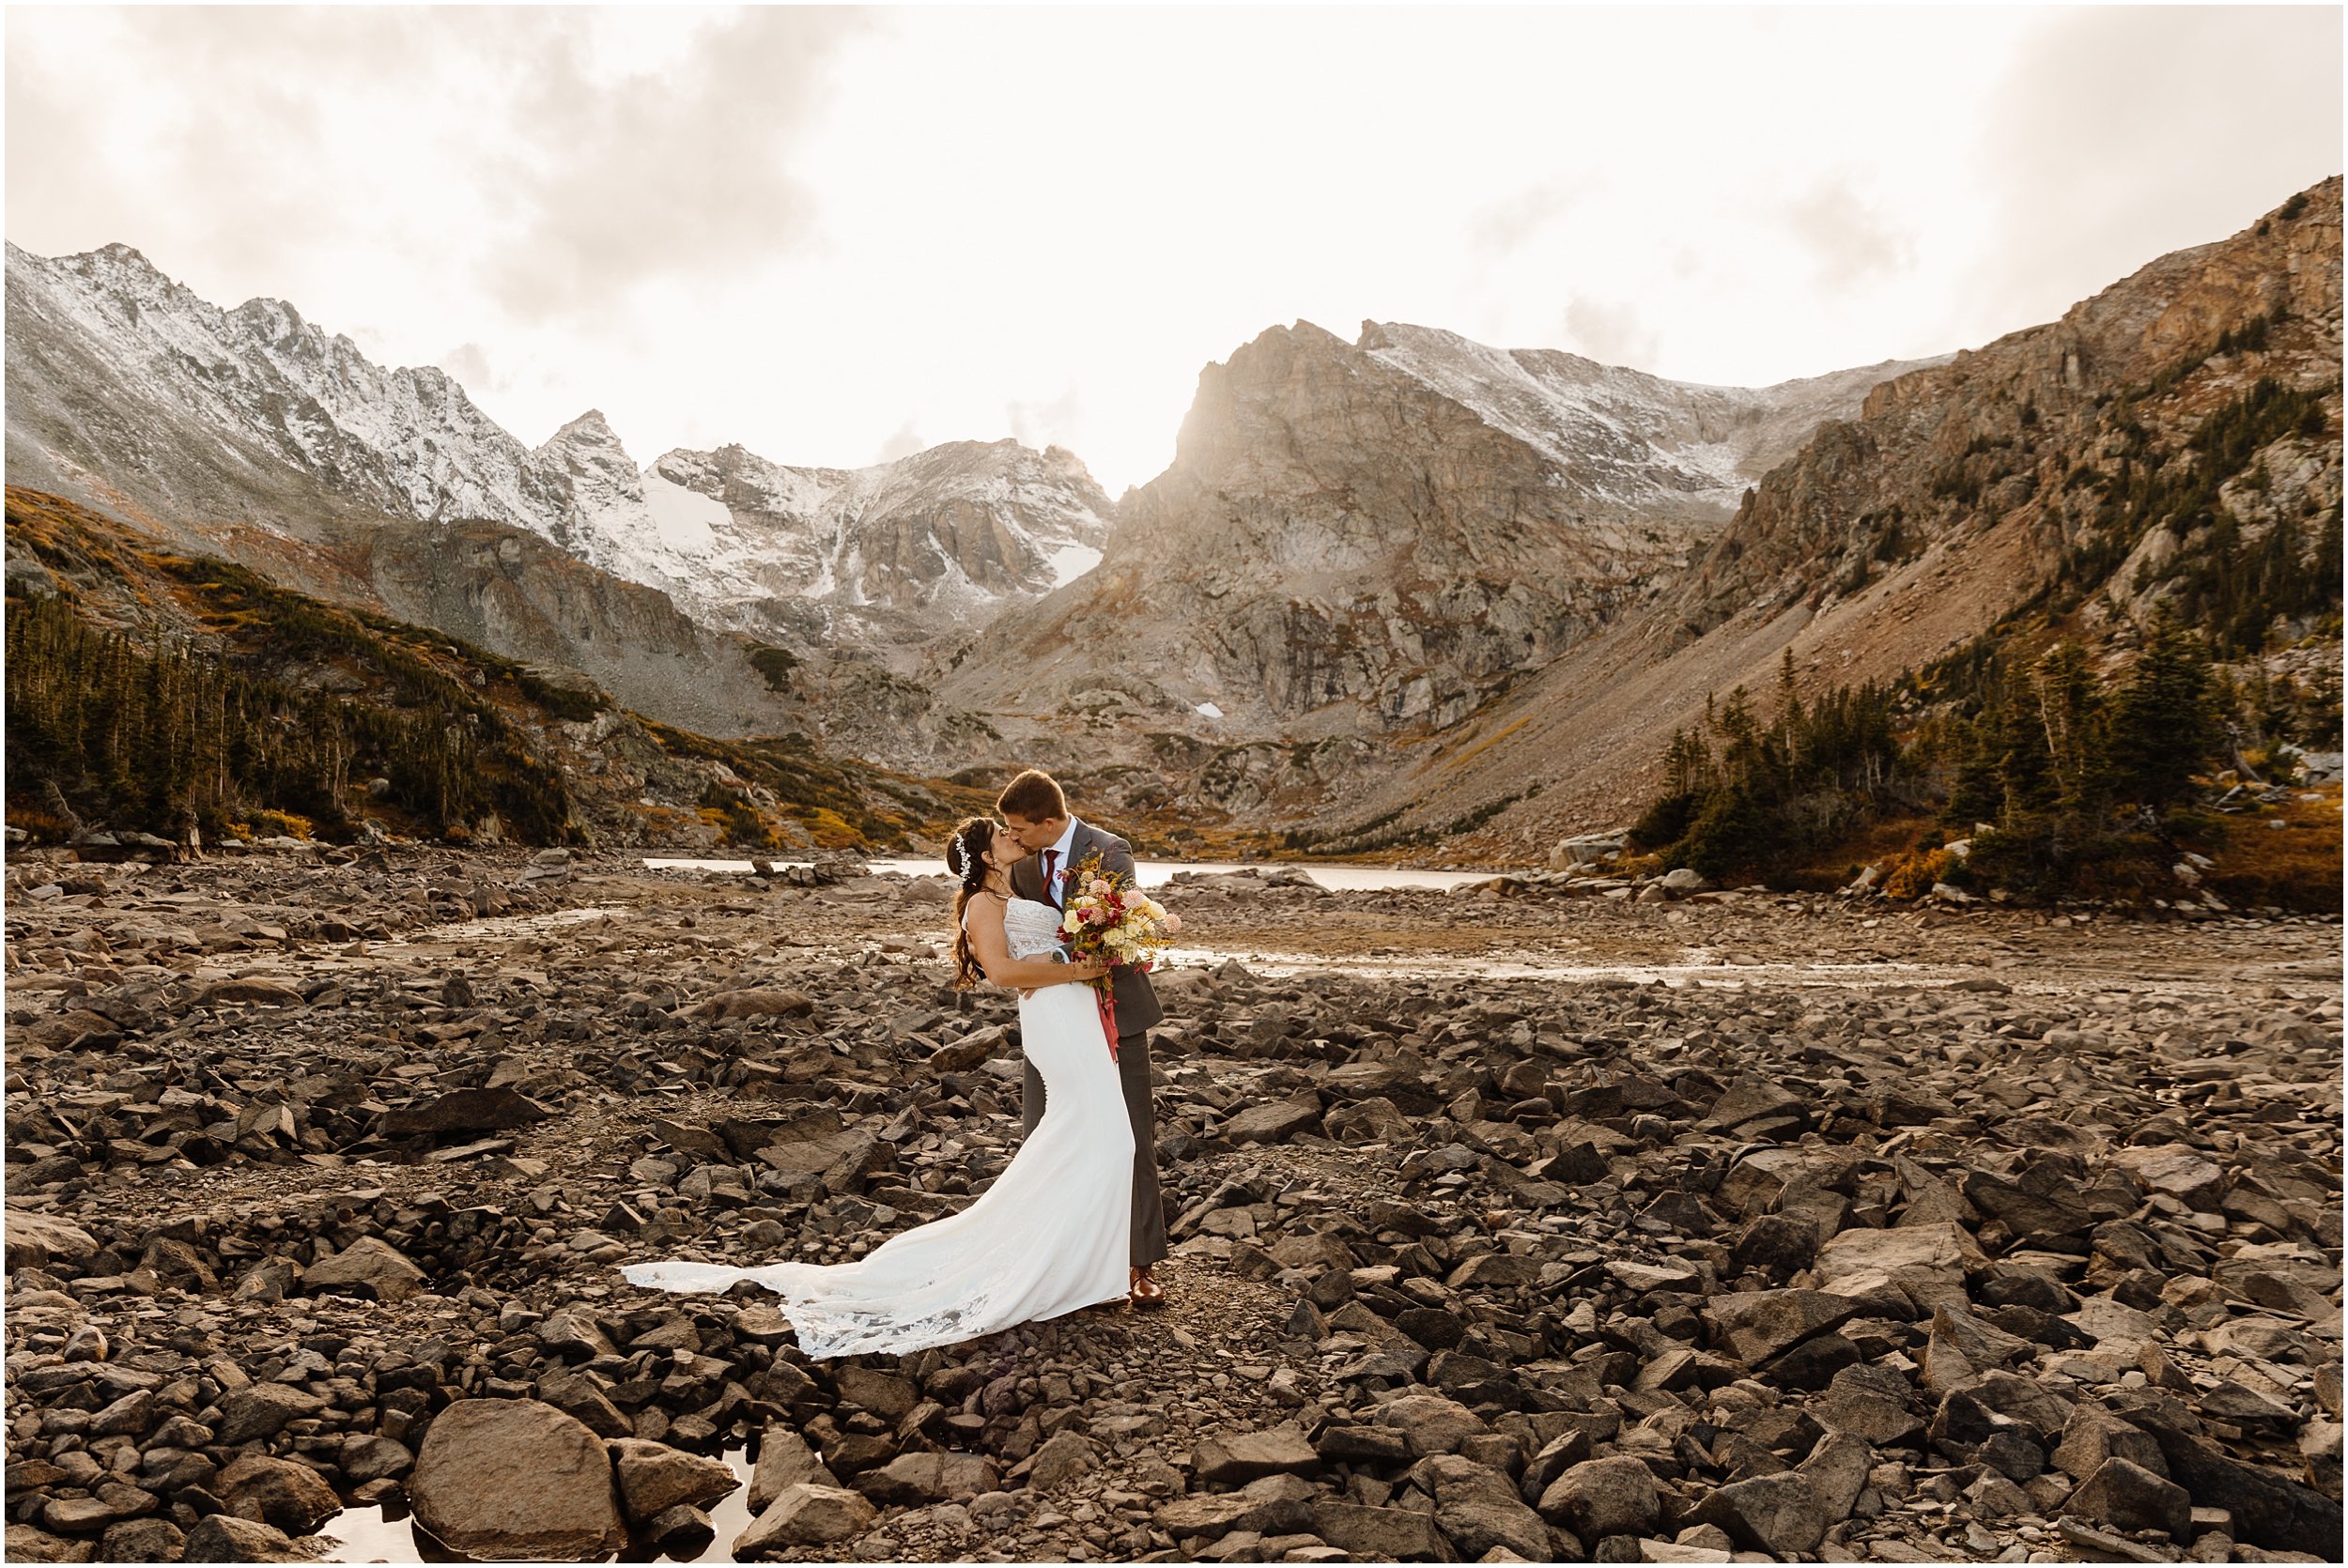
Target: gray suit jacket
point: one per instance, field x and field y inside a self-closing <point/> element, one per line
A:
<point x="1137" y="1002"/>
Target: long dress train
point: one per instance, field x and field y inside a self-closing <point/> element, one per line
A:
<point x="1048" y="1238"/>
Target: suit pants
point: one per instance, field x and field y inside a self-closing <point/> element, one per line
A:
<point x="1133" y="1072"/>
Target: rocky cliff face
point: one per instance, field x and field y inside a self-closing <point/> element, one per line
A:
<point x="2029" y="431"/>
<point x="1378" y="536"/>
<point x="2091" y="467"/>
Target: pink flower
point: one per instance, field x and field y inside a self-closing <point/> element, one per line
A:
<point x="1100" y="889"/>
<point x="1172" y="923"/>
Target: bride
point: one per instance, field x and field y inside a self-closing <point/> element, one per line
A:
<point x="1050" y="1236"/>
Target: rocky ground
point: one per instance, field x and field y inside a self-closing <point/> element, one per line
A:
<point x="1508" y="1224"/>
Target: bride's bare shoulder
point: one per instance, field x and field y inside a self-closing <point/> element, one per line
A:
<point x="985" y="909"/>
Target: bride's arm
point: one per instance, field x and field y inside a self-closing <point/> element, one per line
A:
<point x="988" y="946"/>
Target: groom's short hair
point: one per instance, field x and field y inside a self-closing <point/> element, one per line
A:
<point x="1033" y="796"/>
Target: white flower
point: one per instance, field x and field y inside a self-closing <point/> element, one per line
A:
<point x="1070" y="921"/>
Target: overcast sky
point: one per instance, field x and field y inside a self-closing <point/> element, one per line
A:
<point x="835" y="236"/>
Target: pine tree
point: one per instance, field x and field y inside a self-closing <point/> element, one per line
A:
<point x="2164" y="728"/>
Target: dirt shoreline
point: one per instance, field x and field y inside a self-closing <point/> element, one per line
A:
<point x="1448" y="1234"/>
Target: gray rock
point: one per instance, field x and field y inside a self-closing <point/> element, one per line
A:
<point x="682" y="1532"/>
<point x="2095" y="1434"/>
<point x="32" y="1543"/>
<point x="1276" y="1122"/>
<point x="1775" y="1513"/>
<point x="497" y="1109"/>
<point x="2128" y="1497"/>
<point x="1065" y="1456"/>
<point x="137" y="1541"/>
<point x="1874" y="1403"/>
<point x="365" y="1457"/>
<point x="1837" y="1470"/>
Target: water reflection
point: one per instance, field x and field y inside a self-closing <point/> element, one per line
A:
<point x="389" y="1533"/>
<point x="1155" y="873"/>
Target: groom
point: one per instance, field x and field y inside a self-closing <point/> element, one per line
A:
<point x="1036" y="814"/>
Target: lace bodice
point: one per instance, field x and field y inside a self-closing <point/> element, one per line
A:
<point x="1031" y="929"/>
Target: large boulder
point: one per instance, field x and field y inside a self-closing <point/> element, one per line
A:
<point x="2128" y="1497"/>
<point x="1775" y="1513"/>
<point x="1926" y="1262"/>
<point x="1380" y="1534"/>
<point x="754" y="1002"/>
<point x="1598" y="1498"/>
<point x="39" y="1239"/>
<point x="1429" y="1423"/>
<point x="512" y="1478"/>
<point x="497" y="1110"/>
<point x="1478" y="1508"/>
<point x="226" y="1538"/>
<point x="294" y="1498"/>
<point x="370" y="1265"/>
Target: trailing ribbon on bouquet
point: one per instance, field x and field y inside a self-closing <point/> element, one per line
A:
<point x="1108" y="918"/>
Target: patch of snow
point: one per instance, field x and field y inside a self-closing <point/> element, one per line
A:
<point x="1210" y="709"/>
<point x="1071" y="561"/>
<point x="683" y="519"/>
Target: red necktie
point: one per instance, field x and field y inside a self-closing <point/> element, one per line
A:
<point x="1051" y="878"/>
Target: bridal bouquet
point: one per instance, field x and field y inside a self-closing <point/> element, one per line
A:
<point x="1109" y="918"/>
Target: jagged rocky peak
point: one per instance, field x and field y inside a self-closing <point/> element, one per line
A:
<point x="1379" y="535"/>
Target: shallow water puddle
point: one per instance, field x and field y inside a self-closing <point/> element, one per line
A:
<point x="1696" y="973"/>
<point x="1154" y="874"/>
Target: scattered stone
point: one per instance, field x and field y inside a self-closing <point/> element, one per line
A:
<point x="653" y="1478"/>
<point x="805" y="1515"/>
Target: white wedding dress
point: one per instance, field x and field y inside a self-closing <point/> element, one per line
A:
<point x="1051" y="1235"/>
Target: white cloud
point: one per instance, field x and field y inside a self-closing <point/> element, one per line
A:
<point x="816" y="232"/>
<point x="905" y="442"/>
<point x="1611" y="333"/>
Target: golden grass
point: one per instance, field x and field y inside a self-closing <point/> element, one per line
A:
<point x="1487" y="742"/>
<point x="2296" y="867"/>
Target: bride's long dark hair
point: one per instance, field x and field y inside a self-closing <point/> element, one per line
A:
<point x="965" y="856"/>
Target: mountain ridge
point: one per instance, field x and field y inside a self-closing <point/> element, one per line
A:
<point x="128" y="389"/>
